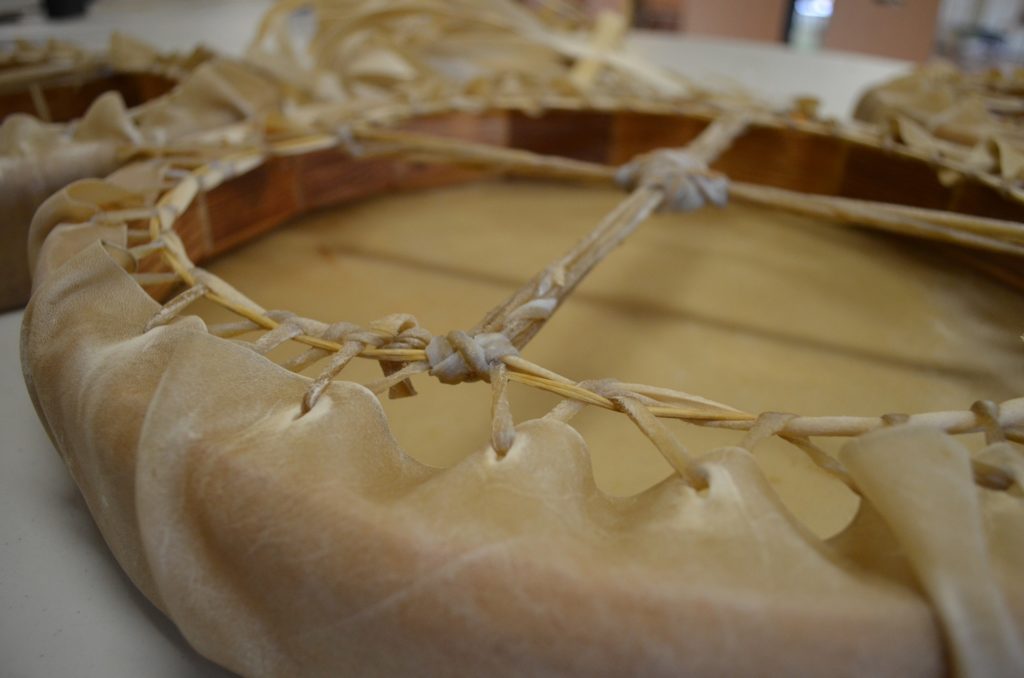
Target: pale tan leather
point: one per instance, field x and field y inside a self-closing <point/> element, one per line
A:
<point x="38" y="159"/>
<point x="316" y="546"/>
<point x="361" y="539"/>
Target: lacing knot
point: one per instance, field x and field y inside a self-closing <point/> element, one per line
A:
<point x="460" y="357"/>
<point x="686" y="181"/>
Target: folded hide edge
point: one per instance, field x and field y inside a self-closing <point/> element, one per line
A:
<point x="287" y="545"/>
<point x="38" y="158"/>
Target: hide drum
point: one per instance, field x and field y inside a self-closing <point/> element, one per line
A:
<point x="747" y="306"/>
<point x="290" y="522"/>
<point x="701" y="387"/>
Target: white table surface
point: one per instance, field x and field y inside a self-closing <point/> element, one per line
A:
<point x="66" y="609"/>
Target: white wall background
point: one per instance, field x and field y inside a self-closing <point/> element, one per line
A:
<point x="993" y="14"/>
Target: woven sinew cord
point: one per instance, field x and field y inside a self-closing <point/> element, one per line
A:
<point x="673" y="178"/>
<point x="678" y="179"/>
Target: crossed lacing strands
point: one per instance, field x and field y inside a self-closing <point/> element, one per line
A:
<point x="396" y="331"/>
<point x="673" y="179"/>
<point x="670" y="179"/>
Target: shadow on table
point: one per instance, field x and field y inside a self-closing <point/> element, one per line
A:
<point x="86" y="530"/>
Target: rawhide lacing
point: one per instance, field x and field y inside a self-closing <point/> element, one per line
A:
<point x="685" y="181"/>
<point x="676" y="178"/>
